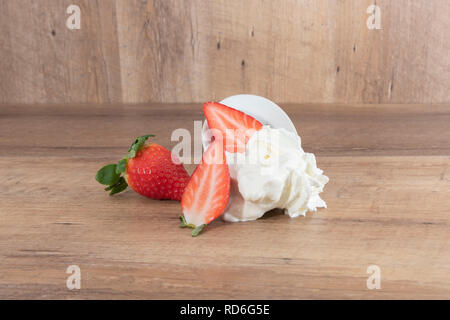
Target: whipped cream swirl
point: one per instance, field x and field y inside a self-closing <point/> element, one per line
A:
<point x="274" y="172"/>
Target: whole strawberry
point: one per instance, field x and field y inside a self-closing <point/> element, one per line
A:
<point x="149" y="169"/>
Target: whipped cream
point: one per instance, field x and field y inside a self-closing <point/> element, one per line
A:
<point x="274" y="172"/>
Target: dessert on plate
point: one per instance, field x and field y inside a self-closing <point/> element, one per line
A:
<point x="261" y="168"/>
<point x="247" y="169"/>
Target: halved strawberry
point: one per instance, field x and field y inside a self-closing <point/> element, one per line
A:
<point x="235" y="126"/>
<point x="207" y="193"/>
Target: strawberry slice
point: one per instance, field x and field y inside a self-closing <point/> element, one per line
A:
<point x="235" y="126"/>
<point x="207" y="193"/>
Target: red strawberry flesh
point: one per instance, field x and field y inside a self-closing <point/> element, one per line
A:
<point x="208" y="191"/>
<point x="236" y="127"/>
<point x="153" y="174"/>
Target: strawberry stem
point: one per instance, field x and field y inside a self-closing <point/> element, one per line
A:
<point x="184" y="224"/>
<point x="197" y="230"/>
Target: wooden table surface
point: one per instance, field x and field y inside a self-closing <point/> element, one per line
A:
<point x="388" y="205"/>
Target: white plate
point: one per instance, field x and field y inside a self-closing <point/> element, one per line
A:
<point x="262" y="109"/>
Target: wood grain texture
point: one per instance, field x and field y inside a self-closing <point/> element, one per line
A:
<point x="193" y="51"/>
<point x="387" y="202"/>
<point x="43" y="61"/>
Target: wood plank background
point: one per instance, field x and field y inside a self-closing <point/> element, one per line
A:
<point x="192" y="51"/>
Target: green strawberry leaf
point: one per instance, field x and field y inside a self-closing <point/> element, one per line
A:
<point x="109" y="187"/>
<point x="107" y="175"/>
<point x="121" y="166"/>
<point x="197" y="230"/>
<point x="118" y="187"/>
<point x="137" y="144"/>
<point x="110" y="174"/>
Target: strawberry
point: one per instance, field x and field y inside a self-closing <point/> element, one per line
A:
<point x="235" y="126"/>
<point x="150" y="170"/>
<point x="207" y="193"/>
